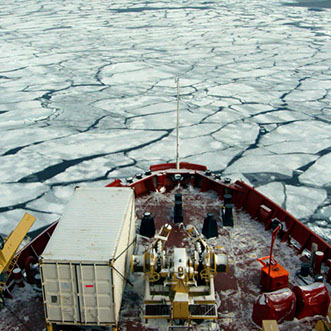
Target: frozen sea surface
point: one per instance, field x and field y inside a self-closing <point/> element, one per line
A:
<point x="88" y="95"/>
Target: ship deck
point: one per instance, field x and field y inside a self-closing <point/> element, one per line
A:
<point x="236" y="290"/>
<point x="244" y="243"/>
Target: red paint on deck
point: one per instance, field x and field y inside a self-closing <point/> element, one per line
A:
<point x="243" y="196"/>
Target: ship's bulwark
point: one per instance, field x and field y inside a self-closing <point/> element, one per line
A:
<point x="202" y="194"/>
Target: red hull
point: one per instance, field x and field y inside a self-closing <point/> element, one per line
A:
<point x="161" y="178"/>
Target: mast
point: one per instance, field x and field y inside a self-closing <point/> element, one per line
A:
<point x="177" y="126"/>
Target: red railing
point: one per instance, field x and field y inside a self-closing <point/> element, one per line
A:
<point x="243" y="196"/>
<point x="252" y="200"/>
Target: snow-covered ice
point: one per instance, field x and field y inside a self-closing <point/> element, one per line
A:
<point x="302" y="200"/>
<point x="274" y="191"/>
<point x="319" y="173"/>
<point x="88" y="94"/>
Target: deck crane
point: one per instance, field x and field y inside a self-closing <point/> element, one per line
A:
<point x="9" y="247"/>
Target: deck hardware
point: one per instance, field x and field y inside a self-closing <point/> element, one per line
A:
<point x="178" y="177"/>
<point x="209" y="228"/>
<point x="179" y="284"/>
<point x="227" y="198"/>
<point x="129" y="180"/>
<point x="227" y="180"/>
<point x="178" y="209"/>
<point x="273" y="275"/>
<point x="147" y="226"/>
<point x="227" y="215"/>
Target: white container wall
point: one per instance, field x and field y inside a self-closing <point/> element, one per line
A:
<point x="85" y="262"/>
<point x="121" y="262"/>
<point x="78" y="293"/>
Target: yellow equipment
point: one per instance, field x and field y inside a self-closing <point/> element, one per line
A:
<point x="11" y="244"/>
<point x="269" y="325"/>
<point x="179" y="281"/>
<point x="325" y="324"/>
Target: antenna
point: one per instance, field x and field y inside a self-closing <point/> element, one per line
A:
<point x="177" y="126"/>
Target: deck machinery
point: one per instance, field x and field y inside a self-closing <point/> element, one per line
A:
<point x="179" y="281"/>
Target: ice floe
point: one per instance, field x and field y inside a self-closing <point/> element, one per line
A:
<point x="274" y="191"/>
<point x="300" y="201"/>
<point x="319" y="173"/>
<point x="88" y="92"/>
<point x="297" y="137"/>
<point x="257" y="161"/>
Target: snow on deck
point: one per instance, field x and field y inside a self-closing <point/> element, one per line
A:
<point x="236" y="291"/>
<point x="244" y="243"/>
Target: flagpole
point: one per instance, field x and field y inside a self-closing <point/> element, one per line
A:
<point x="177" y="126"/>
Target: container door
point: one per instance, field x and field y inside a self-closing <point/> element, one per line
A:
<point x="60" y="292"/>
<point x="95" y="293"/>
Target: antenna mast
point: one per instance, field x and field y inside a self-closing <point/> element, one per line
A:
<point x="177" y="126"/>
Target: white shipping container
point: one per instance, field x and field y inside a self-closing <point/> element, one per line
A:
<point x="84" y="264"/>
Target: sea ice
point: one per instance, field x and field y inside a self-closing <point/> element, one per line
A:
<point x="324" y="232"/>
<point x="24" y="163"/>
<point x="31" y="135"/>
<point x="302" y="201"/>
<point x="164" y="120"/>
<point x="10" y="219"/>
<point x="274" y="191"/>
<point x="246" y="110"/>
<point x="198" y="130"/>
<point x="186" y="82"/>
<point x="319" y="173"/>
<point x="145" y="76"/>
<point x="52" y="202"/>
<point x="131" y="105"/>
<point x="92" y="170"/>
<point x="313" y="108"/>
<point x="280" y="116"/>
<point x="96" y="143"/>
<point x="75" y="75"/>
<point x="15" y="119"/>
<point x="231" y="90"/>
<point x="324" y="213"/>
<point x="224" y="116"/>
<point x="17" y="193"/>
<point x="238" y="133"/>
<point x="158" y="107"/>
<point x="310" y="137"/>
<point x="166" y="148"/>
<point x="306" y="95"/>
<point x="250" y="162"/>
<point x="123" y="67"/>
<point x="215" y="160"/>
